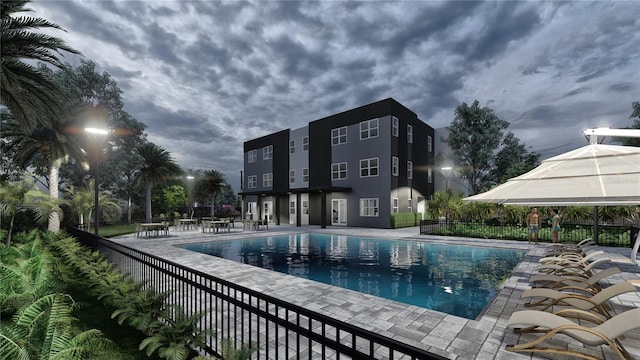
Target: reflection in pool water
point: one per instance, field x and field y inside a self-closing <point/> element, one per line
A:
<point x="458" y="280"/>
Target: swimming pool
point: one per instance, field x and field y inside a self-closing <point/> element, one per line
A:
<point x="458" y="280"/>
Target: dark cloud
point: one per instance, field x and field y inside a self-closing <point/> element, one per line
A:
<point x="298" y="61"/>
<point x="209" y="75"/>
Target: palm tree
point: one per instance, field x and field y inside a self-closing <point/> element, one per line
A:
<point x="212" y="182"/>
<point x="445" y="203"/>
<point x="82" y="201"/>
<point x="24" y="89"/>
<point x="20" y="196"/>
<point x="158" y="166"/>
<point x="46" y="148"/>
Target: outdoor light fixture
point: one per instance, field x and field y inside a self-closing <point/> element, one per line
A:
<point x="96" y="132"/>
<point x="190" y="179"/>
<point x="446" y="171"/>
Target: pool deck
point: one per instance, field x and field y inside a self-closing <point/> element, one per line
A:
<point x="450" y="336"/>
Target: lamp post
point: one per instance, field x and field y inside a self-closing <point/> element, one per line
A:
<point x="190" y="179"/>
<point x="446" y="171"/>
<point x="97" y="132"/>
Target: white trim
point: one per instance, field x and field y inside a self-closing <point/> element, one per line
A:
<point x="395" y="166"/>
<point x="337" y="138"/>
<point x="252" y="156"/>
<point x="336" y="170"/>
<point x="366" y="133"/>
<point x="369" y="207"/>
<point x="267" y="152"/>
<point x="369" y="168"/>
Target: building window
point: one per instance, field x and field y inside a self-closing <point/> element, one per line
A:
<point x="305" y="207"/>
<point x="267" y="152"/>
<point x="395" y="166"/>
<point x="429" y="178"/>
<point x="305" y="143"/>
<point x="429" y="143"/>
<point x="292" y="207"/>
<point x="267" y="180"/>
<point x="394" y="209"/>
<point x="369" y="167"/>
<point x="339" y="136"/>
<point x="252" y="182"/>
<point x="395" y="125"/>
<point x="292" y="176"/>
<point x="409" y="169"/>
<point x="409" y="133"/>
<point x="292" y="146"/>
<point x="252" y="156"/>
<point x="339" y="171"/>
<point x="410" y="205"/>
<point x="305" y="175"/>
<point x="368" y="129"/>
<point x="369" y="207"/>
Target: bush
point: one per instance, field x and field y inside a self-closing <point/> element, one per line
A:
<point x="405" y="220"/>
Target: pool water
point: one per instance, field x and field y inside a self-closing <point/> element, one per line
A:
<point x="458" y="280"/>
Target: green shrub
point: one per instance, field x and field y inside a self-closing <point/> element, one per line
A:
<point x="405" y="220"/>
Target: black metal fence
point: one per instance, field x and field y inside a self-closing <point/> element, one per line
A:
<point x="608" y="235"/>
<point x="280" y="329"/>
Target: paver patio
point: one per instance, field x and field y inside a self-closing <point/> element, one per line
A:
<point x="447" y="335"/>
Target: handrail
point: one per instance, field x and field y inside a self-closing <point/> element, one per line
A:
<point x="247" y="315"/>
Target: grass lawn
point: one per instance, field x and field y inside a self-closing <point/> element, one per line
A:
<point x="117" y="230"/>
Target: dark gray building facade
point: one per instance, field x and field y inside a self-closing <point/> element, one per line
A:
<point x="355" y="168"/>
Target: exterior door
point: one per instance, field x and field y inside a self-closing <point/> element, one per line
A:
<point x="339" y="212"/>
<point x="304" y="215"/>
<point x="268" y="211"/>
<point x="292" y="209"/>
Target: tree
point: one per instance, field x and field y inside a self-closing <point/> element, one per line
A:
<point x="24" y="89"/>
<point x="635" y="116"/>
<point x="475" y="134"/>
<point x="513" y="159"/>
<point x="99" y="93"/>
<point x="212" y="183"/>
<point x="158" y="165"/>
<point x="45" y="149"/>
<point x="173" y="198"/>
<point x="447" y="204"/>
<point x="22" y="195"/>
<point x="82" y="201"/>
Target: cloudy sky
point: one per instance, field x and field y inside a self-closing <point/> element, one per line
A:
<point x="205" y="76"/>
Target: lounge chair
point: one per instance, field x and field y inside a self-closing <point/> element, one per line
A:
<point x="579" y="248"/>
<point x="561" y="283"/>
<point x="585" y="271"/>
<point x="608" y="333"/>
<point x="634" y="251"/>
<point x="596" y="303"/>
<point x="570" y="258"/>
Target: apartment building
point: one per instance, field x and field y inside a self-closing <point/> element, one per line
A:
<point x="355" y="168"/>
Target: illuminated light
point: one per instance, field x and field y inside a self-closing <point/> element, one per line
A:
<point x="96" y="131"/>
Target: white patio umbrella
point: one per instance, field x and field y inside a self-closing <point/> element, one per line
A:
<point x="593" y="175"/>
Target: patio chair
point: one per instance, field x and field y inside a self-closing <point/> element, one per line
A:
<point x="596" y="303"/>
<point x="206" y="226"/>
<point x="164" y="228"/>
<point x="557" y="282"/>
<point x="139" y="229"/>
<point x="608" y="333"/>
